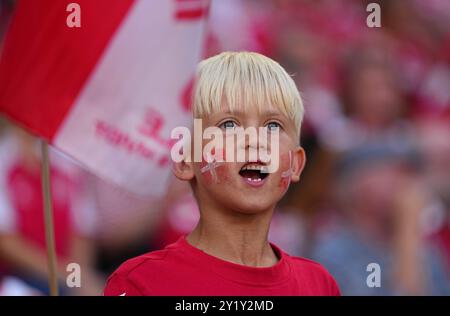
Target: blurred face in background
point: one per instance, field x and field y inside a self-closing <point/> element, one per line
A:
<point x="368" y="195"/>
<point x="374" y="98"/>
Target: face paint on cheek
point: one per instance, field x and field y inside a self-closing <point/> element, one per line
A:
<point x="210" y="168"/>
<point x="206" y="174"/>
<point x="285" y="180"/>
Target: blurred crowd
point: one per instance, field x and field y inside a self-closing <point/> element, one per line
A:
<point x="376" y="188"/>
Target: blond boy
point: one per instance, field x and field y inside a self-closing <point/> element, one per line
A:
<point x="228" y="252"/>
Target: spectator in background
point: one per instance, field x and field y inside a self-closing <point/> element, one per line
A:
<point x="433" y="139"/>
<point x="373" y="106"/>
<point x="22" y="234"/>
<point x="381" y="200"/>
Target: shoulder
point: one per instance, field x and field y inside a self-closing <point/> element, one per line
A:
<point x="128" y="278"/>
<point x="137" y="264"/>
<point x="315" y="275"/>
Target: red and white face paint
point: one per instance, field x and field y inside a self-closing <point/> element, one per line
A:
<point x="286" y="175"/>
<point x="210" y="167"/>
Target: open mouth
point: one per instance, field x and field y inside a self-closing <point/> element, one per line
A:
<point x="254" y="173"/>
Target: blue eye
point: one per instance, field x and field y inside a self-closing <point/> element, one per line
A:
<point x="273" y="126"/>
<point x="228" y="125"/>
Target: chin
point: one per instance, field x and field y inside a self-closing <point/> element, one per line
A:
<point x="253" y="207"/>
<point x="243" y="201"/>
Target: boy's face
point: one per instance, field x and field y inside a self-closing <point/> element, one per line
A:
<point x="241" y="184"/>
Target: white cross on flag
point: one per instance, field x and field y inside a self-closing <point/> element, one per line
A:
<point x="108" y="92"/>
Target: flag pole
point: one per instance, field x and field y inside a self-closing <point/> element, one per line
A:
<point x="48" y="215"/>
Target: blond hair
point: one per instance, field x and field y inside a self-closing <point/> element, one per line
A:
<point x="241" y="79"/>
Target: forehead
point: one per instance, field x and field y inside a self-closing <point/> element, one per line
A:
<point x="245" y="110"/>
<point x="253" y="109"/>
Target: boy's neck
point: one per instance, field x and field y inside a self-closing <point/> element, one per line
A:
<point x="235" y="237"/>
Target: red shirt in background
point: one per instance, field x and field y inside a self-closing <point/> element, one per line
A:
<point x="180" y="269"/>
<point x="25" y="193"/>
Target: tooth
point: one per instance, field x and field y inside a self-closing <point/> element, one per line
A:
<point x="260" y="168"/>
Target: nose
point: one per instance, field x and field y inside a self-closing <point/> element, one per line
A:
<point x="253" y="141"/>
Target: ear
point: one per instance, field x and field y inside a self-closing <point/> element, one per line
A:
<point x="298" y="163"/>
<point x="183" y="170"/>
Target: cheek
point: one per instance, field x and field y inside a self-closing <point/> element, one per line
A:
<point x="285" y="165"/>
<point x="206" y="176"/>
<point x="221" y="172"/>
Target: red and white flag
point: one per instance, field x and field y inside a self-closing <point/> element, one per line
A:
<point x="107" y="93"/>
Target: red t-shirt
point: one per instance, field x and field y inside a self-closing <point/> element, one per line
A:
<point x="180" y="269"/>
